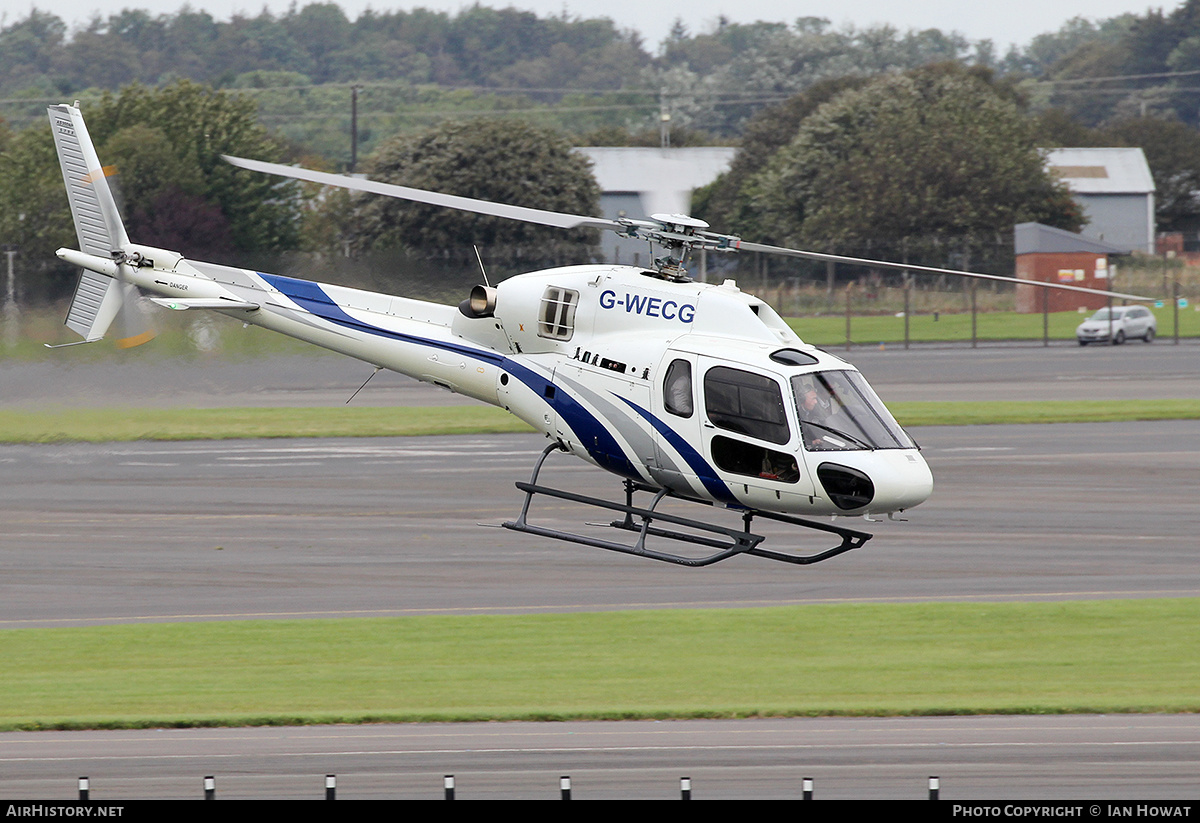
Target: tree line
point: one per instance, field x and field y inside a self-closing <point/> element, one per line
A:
<point x="320" y="44"/>
<point x="916" y="145"/>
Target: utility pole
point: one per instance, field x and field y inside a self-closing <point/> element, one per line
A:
<point x="11" y="313"/>
<point x="354" y="129"/>
<point x="664" y="121"/>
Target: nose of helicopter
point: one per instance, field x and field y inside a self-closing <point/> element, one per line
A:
<point x="902" y="480"/>
<point x="876" y="482"/>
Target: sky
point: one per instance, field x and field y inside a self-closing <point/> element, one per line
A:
<point x="1013" y="22"/>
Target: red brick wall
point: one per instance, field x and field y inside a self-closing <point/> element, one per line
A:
<point x="1061" y="268"/>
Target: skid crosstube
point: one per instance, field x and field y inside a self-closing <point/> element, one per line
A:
<point x="728" y="542"/>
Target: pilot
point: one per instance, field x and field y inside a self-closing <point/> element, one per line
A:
<point x="811" y="407"/>
<point x="812" y="410"/>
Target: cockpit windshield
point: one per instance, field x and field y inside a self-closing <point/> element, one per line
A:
<point x="839" y="411"/>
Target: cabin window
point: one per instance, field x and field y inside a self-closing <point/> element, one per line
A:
<point x="746" y="403"/>
<point x="838" y="411"/>
<point x="677" y="388"/>
<point x="556" y="320"/>
<point x="754" y="461"/>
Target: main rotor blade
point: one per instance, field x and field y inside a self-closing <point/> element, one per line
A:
<point x="432" y="198"/>
<point x="861" y="261"/>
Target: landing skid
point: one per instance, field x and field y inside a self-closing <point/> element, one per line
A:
<point x="728" y="542"/>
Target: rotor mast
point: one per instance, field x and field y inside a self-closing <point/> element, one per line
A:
<point x="677" y="234"/>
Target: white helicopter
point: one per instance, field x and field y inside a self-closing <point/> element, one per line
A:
<point x="687" y="391"/>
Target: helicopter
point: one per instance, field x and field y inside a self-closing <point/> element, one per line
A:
<point x="691" y="392"/>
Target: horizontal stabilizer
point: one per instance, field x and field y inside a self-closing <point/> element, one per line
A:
<point x="185" y="303"/>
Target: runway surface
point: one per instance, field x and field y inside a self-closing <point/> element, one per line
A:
<point x="341" y="527"/>
<point x="93" y="534"/>
<point x="1037" y="758"/>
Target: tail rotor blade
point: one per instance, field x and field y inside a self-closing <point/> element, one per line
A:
<point x="133" y="325"/>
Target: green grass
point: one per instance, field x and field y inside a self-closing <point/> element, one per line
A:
<point x="104" y="425"/>
<point x="830" y="330"/>
<point x="924" y="413"/>
<point x="843" y="659"/>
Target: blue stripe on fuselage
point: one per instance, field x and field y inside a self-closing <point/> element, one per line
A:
<point x="603" y="447"/>
<point x="706" y="474"/>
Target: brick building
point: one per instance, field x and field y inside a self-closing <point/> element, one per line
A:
<point x="1055" y="256"/>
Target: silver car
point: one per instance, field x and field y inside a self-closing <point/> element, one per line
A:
<point x="1126" y="322"/>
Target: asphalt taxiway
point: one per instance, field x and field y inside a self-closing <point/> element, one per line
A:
<point x="93" y="533"/>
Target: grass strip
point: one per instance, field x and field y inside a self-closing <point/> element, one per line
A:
<point x="826" y="659"/>
<point x="923" y="413"/>
<point x="115" y="424"/>
<point x="830" y="330"/>
<point x="106" y="425"/>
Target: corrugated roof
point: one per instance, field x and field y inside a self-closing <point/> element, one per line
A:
<point x="1029" y="238"/>
<point x="1102" y="170"/>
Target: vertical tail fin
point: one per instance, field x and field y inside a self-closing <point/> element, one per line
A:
<point x="99" y="299"/>
<point x="97" y="221"/>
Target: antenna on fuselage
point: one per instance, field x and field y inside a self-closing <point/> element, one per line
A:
<point x="486" y="282"/>
<point x="364" y="385"/>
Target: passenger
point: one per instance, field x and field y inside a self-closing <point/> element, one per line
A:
<point x="679" y="388"/>
<point x="779" y="466"/>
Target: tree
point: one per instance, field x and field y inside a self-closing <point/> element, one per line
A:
<point x="716" y="80"/>
<point x="504" y="161"/>
<point x="1173" y="153"/>
<point x="166" y="145"/>
<point x="1046" y="50"/>
<point x="34" y="214"/>
<point x="721" y="202"/>
<point x="186" y="128"/>
<point x="28" y="49"/>
<point x="909" y="163"/>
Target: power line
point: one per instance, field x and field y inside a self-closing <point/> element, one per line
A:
<point x="1163" y="74"/>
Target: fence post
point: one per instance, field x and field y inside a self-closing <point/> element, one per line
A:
<point x="1175" y="308"/>
<point x="907" y="289"/>
<point x="1045" y="318"/>
<point x="974" y="335"/>
<point x="849" y="286"/>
